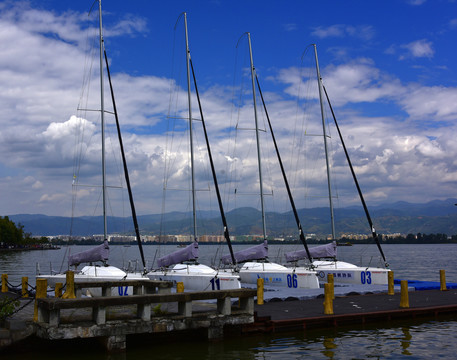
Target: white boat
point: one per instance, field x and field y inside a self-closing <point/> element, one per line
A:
<point x="346" y="273"/>
<point x="182" y="265"/>
<point x="197" y="277"/>
<point x="324" y="258"/>
<point x="100" y="254"/>
<point x="343" y="272"/>
<point x="278" y="275"/>
<point x="273" y="274"/>
<point x="97" y="273"/>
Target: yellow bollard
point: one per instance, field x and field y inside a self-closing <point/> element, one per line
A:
<point x="443" y="280"/>
<point x="70" y="289"/>
<point x="260" y="282"/>
<point x="4" y="283"/>
<point x="328" y="299"/>
<point x="58" y="290"/>
<point x="390" y="283"/>
<point x="179" y="287"/>
<point x="25" y="285"/>
<point x="41" y="288"/>
<point x="331" y="280"/>
<point x="404" y="298"/>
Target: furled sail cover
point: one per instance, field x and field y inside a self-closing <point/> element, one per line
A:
<point x="322" y="251"/>
<point x="99" y="253"/>
<point x="256" y="252"/>
<point x="190" y="252"/>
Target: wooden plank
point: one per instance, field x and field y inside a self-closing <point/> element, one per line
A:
<point x="57" y="303"/>
<point x="146" y="283"/>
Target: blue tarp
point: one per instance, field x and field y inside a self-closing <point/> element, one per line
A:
<point x="426" y="285"/>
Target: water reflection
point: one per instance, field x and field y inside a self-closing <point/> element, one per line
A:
<point x="428" y="339"/>
<point x="406" y="341"/>
<point x="330" y="347"/>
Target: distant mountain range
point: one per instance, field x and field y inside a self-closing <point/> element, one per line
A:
<point x="439" y="216"/>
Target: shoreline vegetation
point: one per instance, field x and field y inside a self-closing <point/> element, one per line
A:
<point x="13" y="237"/>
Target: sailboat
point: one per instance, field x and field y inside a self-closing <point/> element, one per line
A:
<point x="182" y="265"/>
<point x="100" y="254"/>
<point x="324" y="258"/>
<point x="255" y="263"/>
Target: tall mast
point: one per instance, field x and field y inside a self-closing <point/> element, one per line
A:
<point x="194" y="215"/>
<point x="330" y="198"/>
<point x="102" y="122"/>
<point x="257" y="138"/>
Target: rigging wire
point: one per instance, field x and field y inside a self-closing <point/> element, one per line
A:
<point x="78" y="153"/>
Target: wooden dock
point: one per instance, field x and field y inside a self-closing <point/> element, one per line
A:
<point x="278" y="316"/>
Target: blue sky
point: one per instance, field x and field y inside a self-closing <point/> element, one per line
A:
<point x="389" y="67"/>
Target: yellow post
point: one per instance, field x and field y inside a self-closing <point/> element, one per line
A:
<point x="70" y="290"/>
<point x="180" y="287"/>
<point x="25" y="285"/>
<point x="390" y="283"/>
<point x="331" y="280"/>
<point x="58" y="290"/>
<point x="328" y="299"/>
<point x="443" y="280"/>
<point x="4" y="283"/>
<point x="41" y="287"/>
<point x="404" y="298"/>
<point x="260" y="282"/>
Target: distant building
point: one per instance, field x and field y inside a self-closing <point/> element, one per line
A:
<point x="211" y="238"/>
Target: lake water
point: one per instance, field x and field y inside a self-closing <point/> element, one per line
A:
<point x="425" y="339"/>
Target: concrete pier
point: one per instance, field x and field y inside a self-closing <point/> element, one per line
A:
<point x="113" y="318"/>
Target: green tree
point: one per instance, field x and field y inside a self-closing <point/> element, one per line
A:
<point x="9" y="232"/>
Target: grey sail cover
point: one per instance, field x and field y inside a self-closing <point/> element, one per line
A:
<point x="190" y="252"/>
<point x="256" y="252"/>
<point x="322" y="251"/>
<point x="99" y="253"/>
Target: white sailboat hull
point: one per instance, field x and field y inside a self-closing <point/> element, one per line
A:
<point x="278" y="275"/>
<point x="93" y="273"/>
<point x="346" y="273"/>
<point x="197" y="277"/>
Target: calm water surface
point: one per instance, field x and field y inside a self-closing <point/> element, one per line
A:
<point x="426" y="339"/>
<point x="414" y="262"/>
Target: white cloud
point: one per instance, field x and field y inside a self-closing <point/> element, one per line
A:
<point x="398" y="155"/>
<point x="416" y="2"/>
<point x="290" y="27"/>
<point x="129" y="25"/>
<point x="433" y="103"/>
<point x="353" y="82"/>
<point x="419" y="48"/>
<point x="365" y="32"/>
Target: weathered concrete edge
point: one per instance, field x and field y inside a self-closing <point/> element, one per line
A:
<point x="267" y="325"/>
